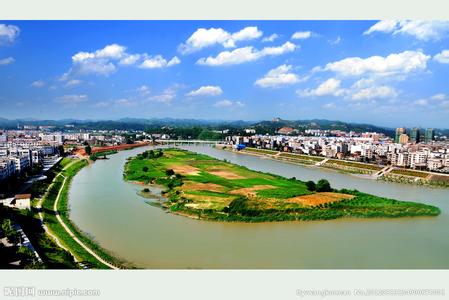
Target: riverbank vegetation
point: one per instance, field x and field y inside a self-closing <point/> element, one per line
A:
<point x="50" y="220"/>
<point x="101" y="154"/>
<point x="202" y="187"/>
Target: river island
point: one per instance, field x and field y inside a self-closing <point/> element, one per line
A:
<point x="202" y="187"/>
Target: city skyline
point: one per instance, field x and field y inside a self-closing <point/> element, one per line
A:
<point x="386" y="73"/>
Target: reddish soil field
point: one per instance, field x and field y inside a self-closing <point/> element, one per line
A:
<point x="118" y="148"/>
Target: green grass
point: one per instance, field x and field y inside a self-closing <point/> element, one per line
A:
<point x="302" y="157"/>
<point x="354" y="164"/>
<point x="408" y="172"/>
<point x="190" y="194"/>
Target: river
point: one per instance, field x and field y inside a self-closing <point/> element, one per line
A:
<point x="109" y="210"/>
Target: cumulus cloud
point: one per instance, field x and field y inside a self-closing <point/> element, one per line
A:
<point x="270" y="38"/>
<point x="99" y="62"/>
<point x="130" y="59"/>
<point x="277" y="77"/>
<point x="203" y="38"/>
<point x="393" y="64"/>
<point x="421" y="30"/>
<point x="158" y="62"/>
<point x="228" y="104"/>
<point x="442" y="57"/>
<point x="208" y="90"/>
<point x="245" y="54"/>
<point x="72" y="99"/>
<point x="364" y="89"/>
<point x="106" y="60"/>
<point x="6" y="61"/>
<point x="301" y="35"/>
<point x="38" y="83"/>
<point x="330" y="87"/>
<point x="8" y="33"/>
<point x="374" y="92"/>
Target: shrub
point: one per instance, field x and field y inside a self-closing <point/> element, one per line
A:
<point x="323" y="186"/>
<point x="311" y="186"/>
<point x="169" y="172"/>
<point x="145" y="169"/>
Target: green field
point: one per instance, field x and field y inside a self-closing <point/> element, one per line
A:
<point x="202" y="187"/>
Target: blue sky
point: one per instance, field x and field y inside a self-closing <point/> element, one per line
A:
<point x="391" y="73"/>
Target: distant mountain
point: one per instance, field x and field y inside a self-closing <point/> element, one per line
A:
<point x="273" y="125"/>
<point x="267" y="126"/>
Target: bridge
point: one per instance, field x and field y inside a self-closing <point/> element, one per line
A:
<point x="187" y="142"/>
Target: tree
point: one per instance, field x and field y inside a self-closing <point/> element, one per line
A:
<point x="311" y="186"/>
<point x="145" y="169"/>
<point x="61" y="150"/>
<point x="323" y="186"/>
<point x="88" y="150"/>
<point x="169" y="172"/>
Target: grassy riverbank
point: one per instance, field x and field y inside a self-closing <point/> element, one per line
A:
<point x="202" y="187"/>
<point x="69" y="171"/>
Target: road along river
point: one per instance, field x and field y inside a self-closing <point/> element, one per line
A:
<point x="109" y="210"/>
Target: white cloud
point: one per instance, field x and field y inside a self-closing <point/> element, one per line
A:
<point x="130" y="59"/>
<point x="105" y="61"/>
<point x="143" y="90"/>
<point x="228" y="104"/>
<point x="99" y="62"/>
<point x="330" y="87"/>
<point x="167" y="96"/>
<point x="72" y="99"/>
<point x="387" y="26"/>
<point x="374" y="92"/>
<point x="301" y="35"/>
<point x="336" y="41"/>
<point x="113" y="51"/>
<point x="245" y="54"/>
<point x="124" y="102"/>
<point x="73" y="82"/>
<point x="421" y="30"/>
<point x="38" y="83"/>
<point x="422" y="102"/>
<point x="442" y="57"/>
<point x="440" y="97"/>
<point x="208" y="90"/>
<point x="8" y="33"/>
<point x="436" y="101"/>
<point x="158" y="62"/>
<point x="6" y="61"/>
<point x="270" y="38"/>
<point x="279" y="76"/>
<point x="203" y="38"/>
<point x="396" y="63"/>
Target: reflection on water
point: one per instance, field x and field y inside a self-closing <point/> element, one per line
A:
<point x="108" y="208"/>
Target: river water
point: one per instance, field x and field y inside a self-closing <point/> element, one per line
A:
<point x="108" y="209"/>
